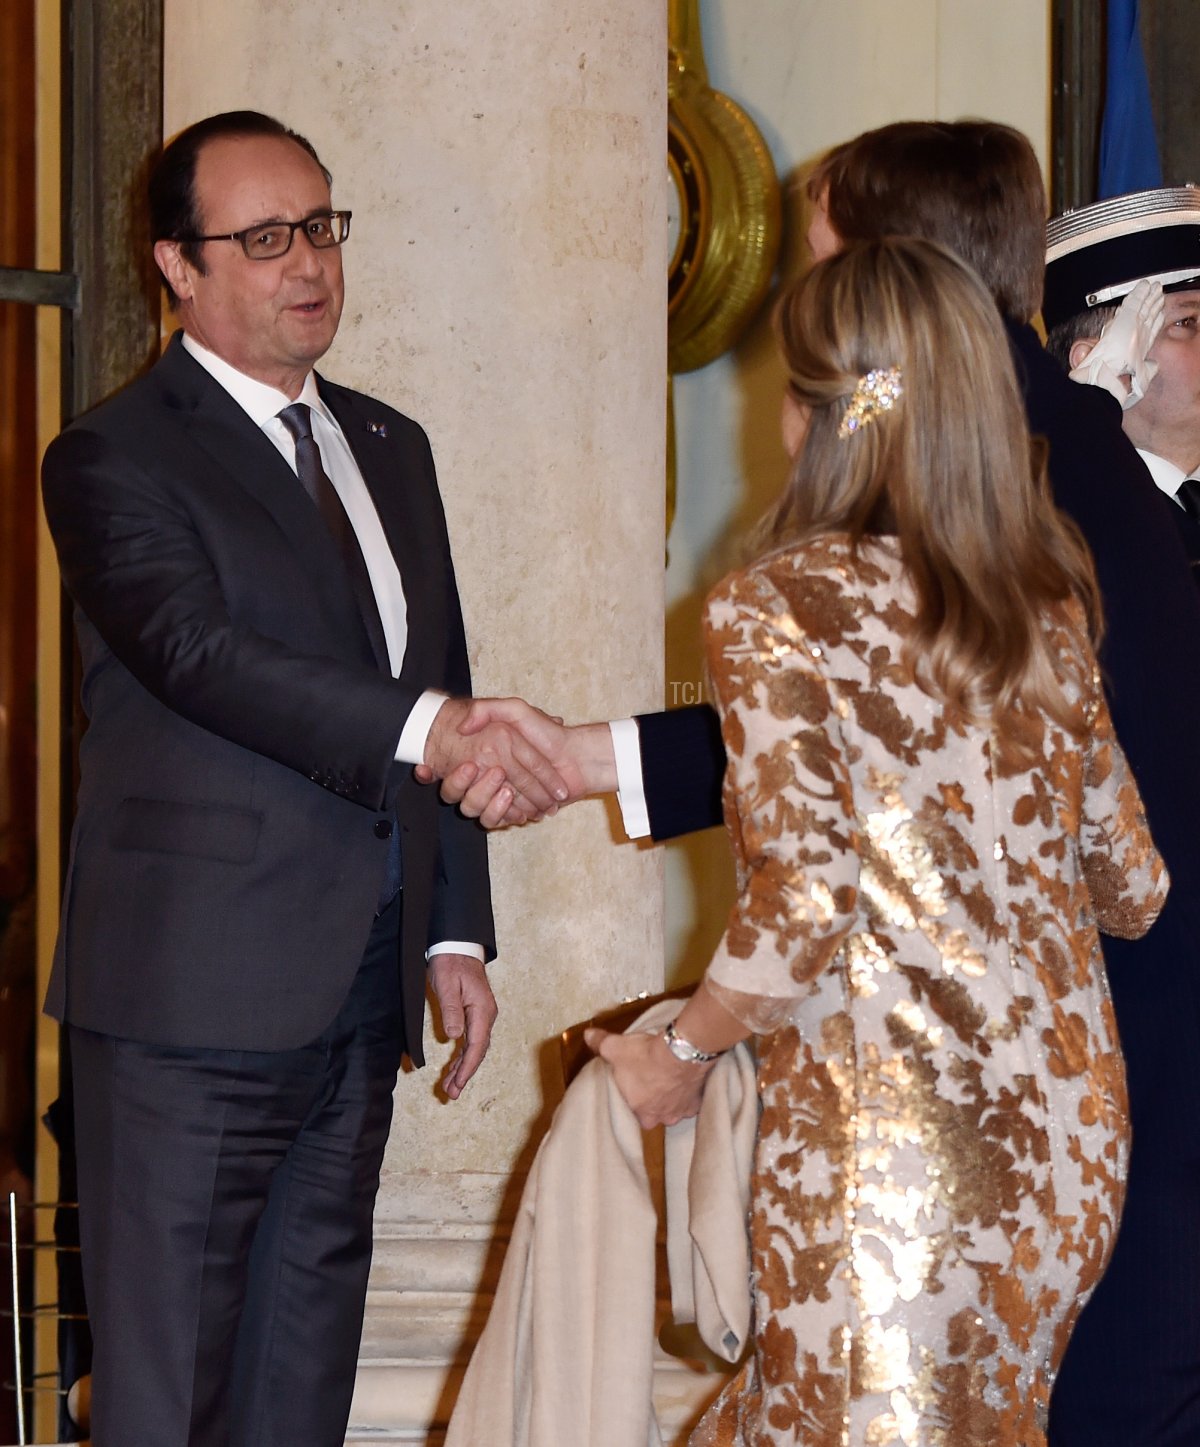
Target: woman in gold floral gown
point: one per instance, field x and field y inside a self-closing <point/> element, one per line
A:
<point x="931" y="817"/>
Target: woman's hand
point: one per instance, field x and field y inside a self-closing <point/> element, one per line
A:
<point x="657" y="1087"/>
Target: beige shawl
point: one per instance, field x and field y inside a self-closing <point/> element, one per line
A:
<point x="567" y="1356"/>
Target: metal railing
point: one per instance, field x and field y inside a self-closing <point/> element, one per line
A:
<point x="39" y="1381"/>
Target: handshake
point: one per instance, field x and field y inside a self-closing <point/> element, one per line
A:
<point x="502" y="761"/>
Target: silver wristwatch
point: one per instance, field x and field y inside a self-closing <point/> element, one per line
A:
<point x="684" y="1050"/>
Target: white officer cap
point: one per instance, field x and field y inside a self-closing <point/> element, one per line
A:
<point x="1097" y="254"/>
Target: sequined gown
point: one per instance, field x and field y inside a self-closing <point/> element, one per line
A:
<point x="943" y="1141"/>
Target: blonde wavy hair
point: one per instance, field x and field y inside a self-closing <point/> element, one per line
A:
<point x="950" y="471"/>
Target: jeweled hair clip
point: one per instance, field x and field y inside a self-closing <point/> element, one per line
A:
<point x="875" y="393"/>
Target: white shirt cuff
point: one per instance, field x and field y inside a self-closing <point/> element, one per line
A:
<point x="631" y="787"/>
<point x="456" y="947"/>
<point x="411" y="748"/>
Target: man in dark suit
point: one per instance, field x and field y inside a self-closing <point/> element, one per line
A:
<point x="1131" y="1374"/>
<point x="271" y="637"/>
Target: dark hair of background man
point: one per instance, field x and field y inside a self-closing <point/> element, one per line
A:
<point x="975" y="186"/>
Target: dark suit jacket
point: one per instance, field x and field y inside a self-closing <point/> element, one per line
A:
<point x="1151" y="662"/>
<point x="238" y="767"/>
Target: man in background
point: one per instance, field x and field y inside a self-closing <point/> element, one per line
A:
<point x="1096" y="255"/>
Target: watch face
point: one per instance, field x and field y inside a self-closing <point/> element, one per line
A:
<point x="675" y="205"/>
<point x="685" y="213"/>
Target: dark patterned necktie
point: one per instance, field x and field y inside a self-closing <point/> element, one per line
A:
<point x="311" y="471"/>
<point x="1189" y="495"/>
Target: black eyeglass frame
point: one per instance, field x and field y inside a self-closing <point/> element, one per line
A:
<point x="243" y="236"/>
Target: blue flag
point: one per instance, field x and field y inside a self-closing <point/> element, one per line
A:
<point x="1128" y="146"/>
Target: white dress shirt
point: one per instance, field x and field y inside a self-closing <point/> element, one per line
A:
<point x="262" y="404"/>
<point x="1167" y="476"/>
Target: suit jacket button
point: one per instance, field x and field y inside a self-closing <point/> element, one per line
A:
<point x="383" y="829"/>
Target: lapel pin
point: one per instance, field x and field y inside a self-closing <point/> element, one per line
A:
<point x="378" y="429"/>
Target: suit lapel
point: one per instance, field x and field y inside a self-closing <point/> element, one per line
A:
<point x="219" y="428"/>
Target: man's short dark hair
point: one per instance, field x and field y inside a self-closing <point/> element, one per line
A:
<point x="1084" y="326"/>
<point x="174" y="211"/>
<point x="974" y="186"/>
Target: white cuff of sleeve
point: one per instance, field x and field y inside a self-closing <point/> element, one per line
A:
<point x="631" y="788"/>
<point x="411" y="748"/>
<point x="456" y="947"/>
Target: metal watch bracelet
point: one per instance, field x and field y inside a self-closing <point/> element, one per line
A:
<point x="684" y="1050"/>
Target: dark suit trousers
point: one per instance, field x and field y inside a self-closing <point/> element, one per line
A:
<point x="226" y="1202"/>
<point x="1131" y="1374"/>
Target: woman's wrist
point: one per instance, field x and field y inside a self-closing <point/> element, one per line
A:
<point x="705" y="1023"/>
<point x="684" y="1051"/>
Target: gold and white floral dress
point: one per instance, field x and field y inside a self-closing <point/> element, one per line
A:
<point x="944" y="1134"/>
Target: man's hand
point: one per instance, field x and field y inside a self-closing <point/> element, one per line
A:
<point x="479" y="732"/>
<point x="468" y="1010"/>
<point x="582" y="756"/>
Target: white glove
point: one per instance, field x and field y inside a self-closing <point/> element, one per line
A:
<point x="1118" y="360"/>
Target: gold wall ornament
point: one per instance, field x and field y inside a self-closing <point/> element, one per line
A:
<point x="671" y="463"/>
<point x="726" y="216"/>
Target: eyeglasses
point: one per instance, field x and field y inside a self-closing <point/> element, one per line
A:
<point x="274" y="238"/>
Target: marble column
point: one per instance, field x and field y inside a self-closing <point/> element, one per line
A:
<point x="505" y="286"/>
